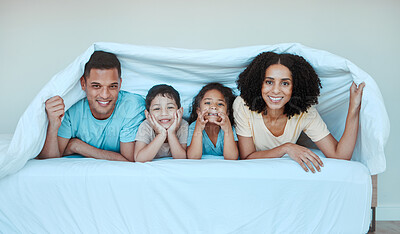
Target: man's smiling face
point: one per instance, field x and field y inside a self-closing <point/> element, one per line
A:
<point x="102" y="87"/>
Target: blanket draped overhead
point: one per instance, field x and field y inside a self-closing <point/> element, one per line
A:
<point x="187" y="71"/>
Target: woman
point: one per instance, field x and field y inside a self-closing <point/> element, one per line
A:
<point x="275" y="106"/>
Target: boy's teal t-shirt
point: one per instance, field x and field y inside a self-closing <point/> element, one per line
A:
<point x="208" y="146"/>
<point x="106" y="134"/>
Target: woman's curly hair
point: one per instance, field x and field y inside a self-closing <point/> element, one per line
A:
<point x="306" y="84"/>
<point x="226" y="92"/>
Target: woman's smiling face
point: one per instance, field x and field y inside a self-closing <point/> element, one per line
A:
<point x="277" y="87"/>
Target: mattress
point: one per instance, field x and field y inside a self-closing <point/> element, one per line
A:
<point x="83" y="195"/>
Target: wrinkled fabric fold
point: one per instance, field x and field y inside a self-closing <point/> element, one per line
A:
<point x="188" y="70"/>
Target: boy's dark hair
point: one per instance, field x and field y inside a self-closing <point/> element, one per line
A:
<point x="165" y="91"/>
<point x="226" y="92"/>
<point x="306" y="84"/>
<point x="102" y="60"/>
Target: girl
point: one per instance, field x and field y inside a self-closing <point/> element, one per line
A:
<point x="211" y="118"/>
<point x="275" y="106"/>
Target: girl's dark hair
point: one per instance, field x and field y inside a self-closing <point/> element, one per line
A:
<point x="226" y="92"/>
<point x="306" y="84"/>
<point x="165" y="91"/>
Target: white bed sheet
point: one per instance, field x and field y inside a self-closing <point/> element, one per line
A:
<point x="81" y="195"/>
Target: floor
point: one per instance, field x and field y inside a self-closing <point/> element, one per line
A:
<point x="387" y="227"/>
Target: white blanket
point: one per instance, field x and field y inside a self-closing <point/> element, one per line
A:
<point x="83" y="195"/>
<point x="188" y="71"/>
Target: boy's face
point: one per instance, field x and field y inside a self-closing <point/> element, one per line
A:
<point x="163" y="108"/>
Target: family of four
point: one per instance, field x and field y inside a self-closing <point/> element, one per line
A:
<point x="277" y="94"/>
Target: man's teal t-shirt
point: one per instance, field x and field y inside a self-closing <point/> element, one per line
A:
<point x="105" y="134"/>
<point x="208" y="146"/>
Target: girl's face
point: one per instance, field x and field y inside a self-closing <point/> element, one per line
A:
<point x="214" y="102"/>
<point x="277" y="87"/>
<point x="164" y="109"/>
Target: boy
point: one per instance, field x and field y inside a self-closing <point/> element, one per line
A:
<point x="164" y="132"/>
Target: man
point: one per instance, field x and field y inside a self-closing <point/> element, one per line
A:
<point x="104" y="124"/>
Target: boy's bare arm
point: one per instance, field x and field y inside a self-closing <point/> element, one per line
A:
<point x="146" y="152"/>
<point x="178" y="150"/>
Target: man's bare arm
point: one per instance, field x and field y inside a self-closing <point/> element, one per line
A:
<point x="77" y="146"/>
<point x="54" y="145"/>
<point x="127" y="150"/>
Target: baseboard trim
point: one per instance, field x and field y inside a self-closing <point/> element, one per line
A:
<point x="388" y="213"/>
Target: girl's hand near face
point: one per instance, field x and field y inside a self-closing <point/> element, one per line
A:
<point x="304" y="156"/>
<point x="356" y="96"/>
<point x="157" y="127"/>
<point x="177" y="122"/>
<point x="201" y="121"/>
<point x="225" y="123"/>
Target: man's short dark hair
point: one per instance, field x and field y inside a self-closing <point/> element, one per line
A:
<point x="102" y="60"/>
<point x="165" y="91"/>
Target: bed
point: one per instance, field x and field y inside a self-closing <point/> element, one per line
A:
<point x="82" y="195"/>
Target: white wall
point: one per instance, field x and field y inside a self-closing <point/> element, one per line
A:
<point x="39" y="38"/>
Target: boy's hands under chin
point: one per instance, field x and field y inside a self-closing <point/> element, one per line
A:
<point x="158" y="128"/>
<point x="177" y="122"/>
